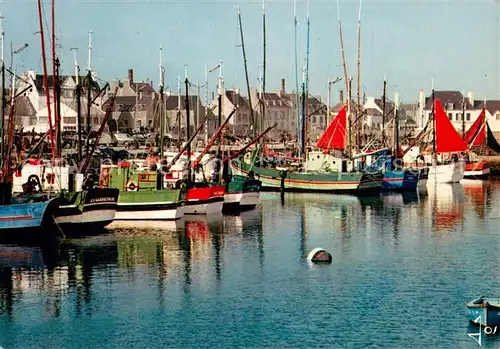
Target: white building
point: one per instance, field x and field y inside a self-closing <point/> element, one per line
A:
<point x="37" y="97"/>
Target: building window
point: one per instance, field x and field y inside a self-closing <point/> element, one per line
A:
<point x="460" y="116"/>
<point x="467" y="117"/>
<point x="430" y="115"/>
<point x="69" y="120"/>
<point x="450" y="116"/>
<point x="498" y="116"/>
<point x="314" y="119"/>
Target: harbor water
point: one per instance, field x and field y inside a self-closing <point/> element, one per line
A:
<point x="404" y="267"/>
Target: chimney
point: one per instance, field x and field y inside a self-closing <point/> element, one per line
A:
<point x="237" y="91"/>
<point x="341" y="96"/>
<point x="470" y="96"/>
<point x="213" y="96"/>
<point x="283" y="86"/>
<point x="131" y="76"/>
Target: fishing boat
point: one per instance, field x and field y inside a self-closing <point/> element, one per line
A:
<point x="326" y="170"/>
<point x="444" y="157"/>
<point x="480" y="140"/>
<point x="141" y="196"/>
<point x="484" y="311"/>
<point x="242" y="193"/>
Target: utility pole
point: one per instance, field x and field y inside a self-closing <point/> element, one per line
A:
<point x="2" y="116"/>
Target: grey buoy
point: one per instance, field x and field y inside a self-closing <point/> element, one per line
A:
<point x="319" y="255"/>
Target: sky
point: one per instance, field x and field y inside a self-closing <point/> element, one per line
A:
<point x="454" y="43"/>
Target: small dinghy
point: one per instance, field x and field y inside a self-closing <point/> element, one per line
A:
<point x="484" y="311"/>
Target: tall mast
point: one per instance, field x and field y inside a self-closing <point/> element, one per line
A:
<point x="303" y="117"/>
<point x="297" y="95"/>
<point x="188" y="147"/>
<point x="58" y="110"/>
<point x="306" y="109"/>
<point x="396" y="126"/>
<point x="219" y="105"/>
<point x="349" y="118"/>
<point x="78" y="93"/>
<point x="360" y="126"/>
<point x="89" y="66"/>
<point x="252" y="120"/>
<point x="2" y="115"/>
<point x="45" y="78"/>
<point x="263" y="92"/>
<point x="89" y="94"/>
<point x="55" y="82"/>
<point x="463" y="115"/>
<point x="383" y="112"/>
<point x="206" y="101"/>
<point x="346" y="78"/>
<point x="179" y="120"/>
<point x="264" y="47"/>
<point x="162" y="104"/>
<point x="433" y="124"/>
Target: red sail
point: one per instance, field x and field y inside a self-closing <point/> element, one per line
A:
<point x="477" y="131"/>
<point x="447" y="138"/>
<point x="334" y="136"/>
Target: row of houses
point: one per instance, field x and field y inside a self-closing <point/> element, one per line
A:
<point x="138" y="106"/>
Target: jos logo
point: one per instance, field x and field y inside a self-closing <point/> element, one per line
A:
<point x="487" y="330"/>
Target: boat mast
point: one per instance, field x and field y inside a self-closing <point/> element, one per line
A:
<point x="306" y="109"/>
<point x="463" y="115"/>
<point x="179" y="113"/>
<point x="45" y="79"/>
<point x="252" y="120"/>
<point x="219" y="105"/>
<point x="358" y="109"/>
<point x="396" y="126"/>
<point x="349" y="119"/>
<point x="55" y="83"/>
<point x="2" y="115"/>
<point x="188" y="148"/>
<point x="346" y="78"/>
<point x="263" y="92"/>
<point x="433" y="124"/>
<point x="383" y="112"/>
<point x="162" y="104"/>
<point x="303" y="117"/>
<point x="58" y="110"/>
<point x="89" y="88"/>
<point x="78" y="93"/>
<point x="297" y="95"/>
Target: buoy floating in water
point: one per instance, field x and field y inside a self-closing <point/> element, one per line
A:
<point x="319" y="255"/>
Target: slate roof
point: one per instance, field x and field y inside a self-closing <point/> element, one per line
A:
<point x="236" y="99"/>
<point x="492" y="106"/>
<point x="449" y="99"/>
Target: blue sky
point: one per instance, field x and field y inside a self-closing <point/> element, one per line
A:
<point x="454" y="42"/>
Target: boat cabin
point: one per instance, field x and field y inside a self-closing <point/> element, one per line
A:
<point x="319" y="161"/>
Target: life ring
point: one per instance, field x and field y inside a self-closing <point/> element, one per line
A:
<point x="104" y="180"/>
<point x="132" y="186"/>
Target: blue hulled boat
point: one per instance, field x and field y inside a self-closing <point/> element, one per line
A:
<point x="27" y="213"/>
<point x="396" y="179"/>
<point x="484" y="311"/>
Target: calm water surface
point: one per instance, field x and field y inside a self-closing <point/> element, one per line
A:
<point x="403" y="269"/>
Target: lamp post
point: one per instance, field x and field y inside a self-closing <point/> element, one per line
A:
<point x="330" y="83"/>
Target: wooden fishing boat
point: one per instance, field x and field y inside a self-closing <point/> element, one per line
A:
<point x="141" y="194"/>
<point x="242" y="193"/>
<point x="484" y="311"/>
<point x="480" y="140"/>
<point x="321" y="171"/>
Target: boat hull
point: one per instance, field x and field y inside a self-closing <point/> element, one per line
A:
<point x="241" y="194"/>
<point x="150" y="205"/>
<point x="204" y="199"/>
<point x="329" y="182"/>
<point x="477" y="170"/>
<point x="90" y="211"/>
<point x="405" y="180"/>
<point x="485" y="310"/>
<point x="447" y="173"/>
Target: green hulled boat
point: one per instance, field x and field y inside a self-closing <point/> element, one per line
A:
<point x="141" y="194"/>
<point x="242" y="193"/>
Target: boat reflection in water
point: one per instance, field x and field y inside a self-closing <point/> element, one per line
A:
<point x="478" y="193"/>
<point x="446" y="205"/>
